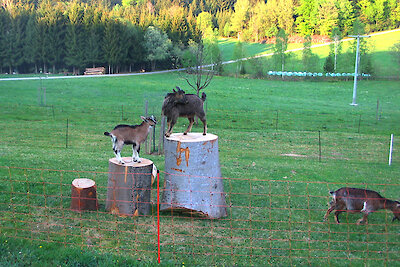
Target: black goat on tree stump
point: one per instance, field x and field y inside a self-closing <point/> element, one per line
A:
<point x="179" y="104"/>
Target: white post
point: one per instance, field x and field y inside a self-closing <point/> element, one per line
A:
<point x="391" y="149"/>
<point x="354" y="103"/>
<point x="356" y="73"/>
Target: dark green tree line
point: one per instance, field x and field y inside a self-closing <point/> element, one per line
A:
<point x="72" y="35"/>
<point x="55" y="35"/>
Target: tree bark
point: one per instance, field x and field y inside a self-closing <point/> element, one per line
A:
<point x="129" y="187"/>
<point x="193" y="180"/>
<point x="83" y="195"/>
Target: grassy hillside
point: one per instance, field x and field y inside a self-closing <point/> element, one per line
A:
<point x="379" y="47"/>
<point x="276" y="183"/>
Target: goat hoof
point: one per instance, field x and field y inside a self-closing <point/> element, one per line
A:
<point x="204" y="134"/>
<point x="185" y="133"/>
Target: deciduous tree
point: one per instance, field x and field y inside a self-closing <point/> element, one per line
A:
<point x="395" y="52"/>
<point x="157" y="45"/>
<point x="309" y="59"/>
<point x="280" y="56"/>
<point x="307" y="17"/>
<point x="197" y="74"/>
<point x="346" y="15"/>
<point x="335" y="46"/>
<point x="259" y="21"/>
<point x="238" y="56"/>
<point x="328" y="17"/>
<point x="240" y="16"/>
<point x="285" y="15"/>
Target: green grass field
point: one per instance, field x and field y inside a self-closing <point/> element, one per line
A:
<point x="276" y="186"/>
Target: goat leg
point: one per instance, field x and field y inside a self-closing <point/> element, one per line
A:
<point x="337" y="216"/>
<point x="170" y="126"/>
<point x="328" y="212"/>
<point x="189" y="128"/>
<point x="167" y="134"/>
<point x="118" y="156"/>
<point x="117" y="147"/>
<point x="135" y="155"/>
<point x="363" y="220"/>
<point x="205" y="127"/>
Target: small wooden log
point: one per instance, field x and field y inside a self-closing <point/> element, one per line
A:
<point x="129" y="187"/>
<point x="83" y="195"/>
<point x="95" y="71"/>
<point x="193" y="180"/>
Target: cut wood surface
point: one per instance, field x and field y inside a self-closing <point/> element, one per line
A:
<point x="193" y="180"/>
<point x="192" y="137"/>
<point x="83" y="195"/>
<point x="129" y="187"/>
<point x="130" y="163"/>
<point x="83" y="183"/>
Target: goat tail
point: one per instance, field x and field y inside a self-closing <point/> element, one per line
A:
<point x="203" y="96"/>
<point x="107" y="134"/>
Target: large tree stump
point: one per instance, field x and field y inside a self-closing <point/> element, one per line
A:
<point x="193" y="180"/>
<point x="83" y="195"/>
<point x="129" y="187"/>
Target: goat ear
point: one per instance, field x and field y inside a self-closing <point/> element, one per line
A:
<point x="143" y="118"/>
<point x="174" y="90"/>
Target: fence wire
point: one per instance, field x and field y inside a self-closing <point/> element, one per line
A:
<point x="269" y="221"/>
<point x="62" y="125"/>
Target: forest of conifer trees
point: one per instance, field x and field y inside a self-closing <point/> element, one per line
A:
<point x="128" y="35"/>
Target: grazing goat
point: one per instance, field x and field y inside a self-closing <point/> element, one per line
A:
<point x="133" y="135"/>
<point x="365" y="201"/>
<point x="179" y="104"/>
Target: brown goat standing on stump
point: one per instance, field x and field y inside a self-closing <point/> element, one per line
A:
<point x="354" y="200"/>
<point x="178" y="104"/>
<point x="133" y="135"/>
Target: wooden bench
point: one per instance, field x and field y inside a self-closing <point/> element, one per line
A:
<point x="95" y="71"/>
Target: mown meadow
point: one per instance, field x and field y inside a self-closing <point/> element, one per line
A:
<point x="283" y="146"/>
<point x="276" y="183"/>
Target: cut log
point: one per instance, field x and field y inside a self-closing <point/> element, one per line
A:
<point x="193" y="180"/>
<point x="129" y="187"/>
<point x="95" y="71"/>
<point x="83" y="195"/>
